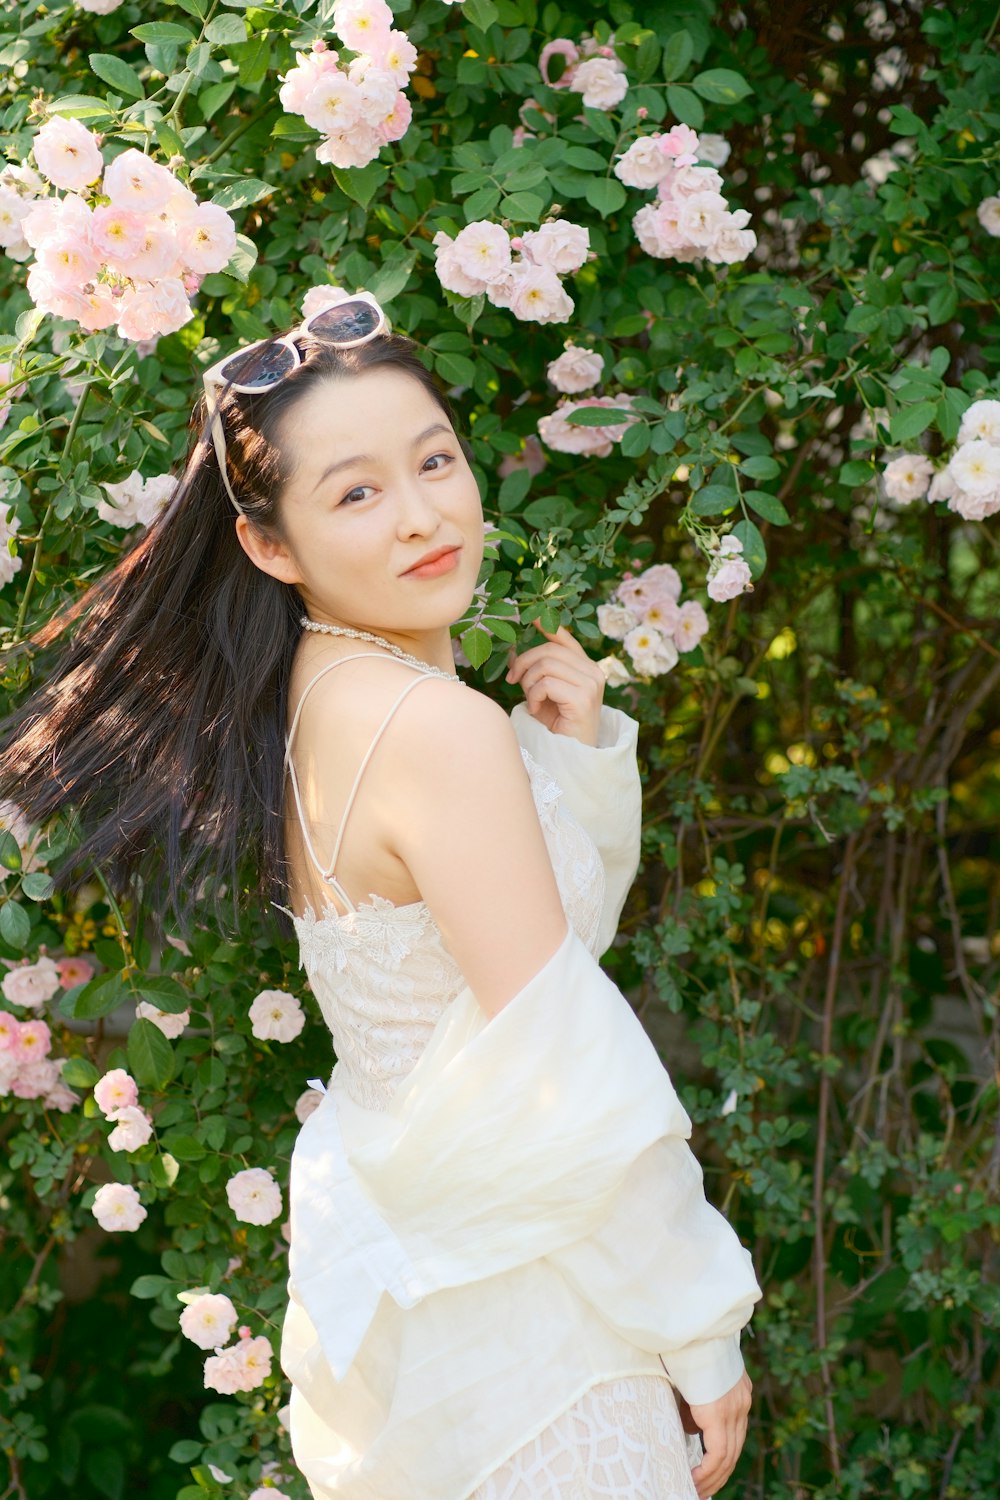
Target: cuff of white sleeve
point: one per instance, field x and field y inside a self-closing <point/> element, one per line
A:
<point x="616" y="731"/>
<point x="705" y="1370"/>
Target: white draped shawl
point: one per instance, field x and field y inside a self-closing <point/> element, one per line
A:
<point x="524" y="1220"/>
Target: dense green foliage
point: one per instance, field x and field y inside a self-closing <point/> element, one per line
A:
<point x="813" y="939"/>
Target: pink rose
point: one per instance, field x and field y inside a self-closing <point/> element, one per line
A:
<point x="362" y="25"/>
<point x="575" y="370"/>
<point x="561" y="47"/>
<point x="208" y="239"/>
<point x="560" y="245"/>
<point x="350" y="148"/>
<point x="299" y="81"/>
<point x="531" y="457"/>
<point x="117" y="233"/>
<point x="534" y="294"/>
<point x="134" y="181"/>
<point x="730" y="578"/>
<point x="397" y="121"/>
<point x="73" y="970"/>
<point x="67" y="154"/>
<point x="116" y="1090"/>
<point x="691" y="626"/>
<point x="602" y="82"/>
<point x="154" y="310"/>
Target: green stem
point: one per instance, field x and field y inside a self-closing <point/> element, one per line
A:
<point x="240" y="129"/>
<point x="36" y="555"/>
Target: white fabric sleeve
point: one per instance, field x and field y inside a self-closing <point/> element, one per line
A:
<point x="603" y="790"/>
<point x="551" y="1130"/>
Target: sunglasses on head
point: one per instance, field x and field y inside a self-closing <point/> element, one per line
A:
<point x="261" y="365"/>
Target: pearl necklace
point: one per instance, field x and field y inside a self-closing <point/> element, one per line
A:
<point x="378" y="640"/>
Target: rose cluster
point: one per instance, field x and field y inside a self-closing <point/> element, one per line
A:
<point x="689" y="219"/>
<point x="575" y="370"/>
<point x="644" y="613"/>
<point x="969" y="481"/>
<point x="117" y="1097"/>
<point x="133" y="256"/>
<point x="480" y="261"/>
<point x="27" y="1069"/>
<point x="361" y="107"/>
<point x="208" y="1321"/>
<point x="590" y="69"/>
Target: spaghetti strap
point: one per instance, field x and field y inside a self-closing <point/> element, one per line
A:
<point x="327" y="874"/>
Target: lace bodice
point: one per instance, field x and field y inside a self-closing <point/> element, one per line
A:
<point x="382" y="975"/>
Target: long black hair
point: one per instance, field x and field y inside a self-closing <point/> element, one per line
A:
<point x="162" y="722"/>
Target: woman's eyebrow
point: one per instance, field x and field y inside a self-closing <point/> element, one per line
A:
<point x="367" y="458"/>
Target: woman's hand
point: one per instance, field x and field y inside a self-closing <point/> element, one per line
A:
<point x="562" y="687"/>
<point x="723" y="1428"/>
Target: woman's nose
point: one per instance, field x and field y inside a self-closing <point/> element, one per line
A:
<point x="418" y="511"/>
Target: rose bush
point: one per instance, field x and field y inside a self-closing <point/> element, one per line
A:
<point x="710" y="428"/>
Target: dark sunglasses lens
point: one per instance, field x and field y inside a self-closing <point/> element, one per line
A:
<point x="260" y="367"/>
<point x="345" y="322"/>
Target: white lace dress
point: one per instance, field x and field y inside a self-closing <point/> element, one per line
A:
<point x="469" y="1367"/>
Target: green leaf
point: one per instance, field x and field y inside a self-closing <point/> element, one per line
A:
<point x="211" y="100"/>
<point x="481" y="203"/>
<point x="80" y="1073"/>
<point x="523" y="208"/>
<point x="149" y="1286"/>
<point x="183" y="1147"/>
<point x="768" y="506"/>
<point x="942" y="304"/>
<point x="15" y="924"/>
<point x="37" y="887"/>
<point x="754" y="551"/>
<point x="162" y="31"/>
<point x="226" y="31"/>
<point x="163" y="992"/>
<point x="477" y="645"/>
<point x="360" y="184"/>
<point x="480" y="13"/>
<point x="79" y="106"/>
<point x="859" y="471"/>
<point x="598" y="416"/>
<point x="606" y="195"/>
<point x="685" y="105"/>
<point x="910" y="421"/>
<point x="117" y="73"/>
<point x="635" y="440"/>
<point x="713" y="499"/>
<point x="677" y="54"/>
<point x="10" y="854"/>
<point x="98" y="997"/>
<point x="456" y="369"/>
<point x="243" y="258"/>
<point x="150" y="1055"/>
<point x="513" y="488"/>
<point x="761" y="467"/>
<point x="245" y="190"/>
<point x="391" y="278"/>
<point x="721" y="86"/>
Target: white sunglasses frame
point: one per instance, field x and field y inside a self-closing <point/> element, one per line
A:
<point x="213" y="381"/>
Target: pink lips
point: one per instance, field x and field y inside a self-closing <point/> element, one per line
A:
<point x="440" y="561"/>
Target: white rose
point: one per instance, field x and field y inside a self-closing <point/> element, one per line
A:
<point x="560" y="245"/>
<point x="615" y="621"/>
<point x="319" y="298"/>
<point x="31" y="985"/>
<point x="988" y="214"/>
<point x="981" y="420"/>
<point x="117" y="1206"/>
<point x="616" y="673"/>
<point x="254" y="1196"/>
<point x="702" y="217"/>
<point x="171" y="1023"/>
<point x="975" y="507"/>
<point x="714" y="149"/>
<point x="576" y="370"/>
<point x="730" y="578"/>
<point x="209" y="1320"/>
<point x="535" y="294"/>
<point x="651" y="652"/>
<point x="692" y="624"/>
<point x="132" y="1130"/>
<point x="276" y="1016"/>
<point x="975" y="467"/>
<point x="602" y="82"/>
<point x="643" y="164"/>
<point x="907" y="478"/>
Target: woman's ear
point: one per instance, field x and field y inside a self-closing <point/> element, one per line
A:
<point x="267" y="552"/>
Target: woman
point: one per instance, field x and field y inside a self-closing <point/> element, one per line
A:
<point x="502" y="1263"/>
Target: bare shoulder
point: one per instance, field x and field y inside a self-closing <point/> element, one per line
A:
<point x="449" y="726"/>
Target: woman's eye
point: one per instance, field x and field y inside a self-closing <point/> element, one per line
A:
<point x="358" y="493"/>
<point x="445" y="458"/>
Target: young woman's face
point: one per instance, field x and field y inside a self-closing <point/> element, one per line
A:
<point x="379" y="481"/>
